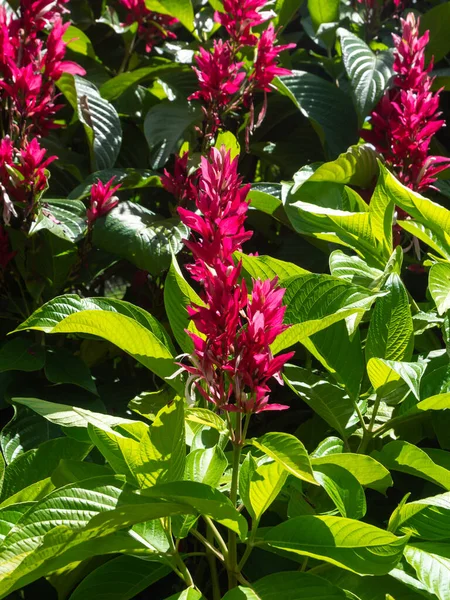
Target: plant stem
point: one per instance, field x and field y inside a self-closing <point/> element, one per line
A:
<point x="213" y="567"/>
<point x="232" y="565"/>
<point x="207" y="544"/>
<point x="219" y="539"/>
<point x="179" y="567"/>
<point x="250" y="545"/>
<point x="368" y="433"/>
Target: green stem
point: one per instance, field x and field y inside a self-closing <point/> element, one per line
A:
<point x="368" y="433"/>
<point x="211" y="558"/>
<point x="250" y="545"/>
<point x="179" y="567"/>
<point x="207" y="545"/>
<point x="219" y="539"/>
<point x="232" y="564"/>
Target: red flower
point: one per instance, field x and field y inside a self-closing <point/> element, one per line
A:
<point x="54" y="65"/>
<point x="219" y="76"/>
<point x="152" y="27"/>
<point x="405" y="120"/>
<point x="180" y="184"/>
<point x="102" y="200"/>
<point x="232" y="363"/>
<point x="265" y="68"/>
<point x="239" y="17"/>
<point x="5" y="254"/>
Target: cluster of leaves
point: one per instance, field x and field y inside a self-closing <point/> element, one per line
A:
<point x="110" y="483"/>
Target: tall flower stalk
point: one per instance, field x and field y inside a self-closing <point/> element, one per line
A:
<point x="30" y="65"/>
<point x="227" y="82"/>
<point x="407" y="117"/>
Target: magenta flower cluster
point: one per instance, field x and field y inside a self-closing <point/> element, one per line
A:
<point x="407" y="117"/>
<point x="153" y="27"/>
<point x="29" y="69"/>
<point x="225" y="82"/>
<point x="232" y="363"/>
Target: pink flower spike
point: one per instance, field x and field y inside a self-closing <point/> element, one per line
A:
<point x="266" y="68"/>
<point x="102" y="200"/>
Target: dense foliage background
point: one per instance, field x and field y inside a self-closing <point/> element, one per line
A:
<point x="118" y="477"/>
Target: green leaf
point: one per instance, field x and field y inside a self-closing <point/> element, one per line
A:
<point x="64" y="218"/>
<point x="116" y="448"/>
<point x="101" y="123"/>
<point x="68" y="525"/>
<point x="129" y="179"/>
<point x="62" y="366"/>
<point x="78" y="42"/>
<point x="434" y="21"/>
<point x="391" y="330"/>
<point x="431" y="562"/>
<point x="368" y="471"/>
<point x="343" y="488"/>
<point x="325" y="105"/>
<point x="430" y="215"/>
<point x="382" y="371"/>
<point x="266" y="267"/>
<point x="260" y="485"/>
<point x="188" y="594"/>
<point x="439" y="284"/>
<point x="354" y="269"/>
<point x="116" y="86"/>
<point x="329" y="401"/>
<point x="369" y="73"/>
<point x="137" y="234"/>
<point x="181" y="9"/>
<point x="314" y="302"/>
<point x="204" y="499"/>
<point x="285" y="10"/>
<point x="323" y="11"/>
<point x="161" y="453"/>
<point x="204" y="416"/>
<point x="130" y="333"/>
<point x="20" y="354"/>
<point x="346" y="543"/>
<point x="165" y="124"/>
<point x="69" y="416"/>
<point x="38" y="464"/>
<point x="52" y="313"/>
<point x="287" y="450"/>
<point x="407" y="458"/>
<point x="428" y="518"/>
<point x="178" y="294"/>
<point x="357" y="166"/>
<point x="288" y="586"/>
<point x="121" y="578"/>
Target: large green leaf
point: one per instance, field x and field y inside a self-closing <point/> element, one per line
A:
<point x="266" y="267"/>
<point x="343" y="488"/>
<point x="178" y="294"/>
<point x="21" y="354"/>
<point x="369" y="73"/>
<point x="165" y="124"/>
<point x="434" y="21"/>
<point x="64" y="218"/>
<point x="431" y="561"/>
<point x="391" y="330"/>
<point x="354" y="269"/>
<point x="357" y="166"/>
<point x="346" y="543"/>
<point x="314" y="302"/>
<point x="101" y="123"/>
<point x="407" y="458"/>
<point x="439" y="284"/>
<point x="161" y="453"/>
<point x="323" y="11"/>
<point x="428" y="519"/>
<point x="204" y="499"/>
<point x="137" y="234"/>
<point x="287" y="450"/>
<point x="326" y="106"/>
<point x="38" y="464"/>
<point x="127" y="332"/>
<point x="288" y="586"/>
<point x="121" y="578"/>
<point x="382" y="371"/>
<point x="368" y="471"/>
<point x="68" y="525"/>
<point x="260" y="485"/>
<point x="329" y="401"/>
<point x="181" y="9"/>
<point x="62" y="366"/>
